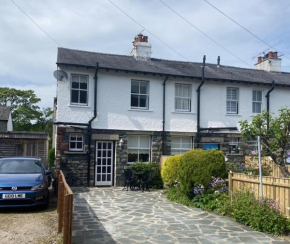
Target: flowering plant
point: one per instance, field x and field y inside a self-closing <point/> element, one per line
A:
<point x="270" y="203"/>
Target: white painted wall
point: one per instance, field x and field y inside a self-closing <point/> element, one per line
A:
<point x="114" y="95"/>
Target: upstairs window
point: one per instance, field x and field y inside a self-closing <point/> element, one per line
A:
<point x="76" y="142"/>
<point x="180" y="145"/>
<point x="79" y="90"/>
<point x="138" y="149"/>
<point x="139" y="94"/>
<point x="232" y="100"/>
<point x="257" y="102"/>
<point x="182" y="97"/>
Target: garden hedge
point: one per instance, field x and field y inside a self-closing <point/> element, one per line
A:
<point x="169" y="170"/>
<point x="197" y="167"/>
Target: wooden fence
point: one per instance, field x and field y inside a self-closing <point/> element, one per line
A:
<point x="64" y="209"/>
<point x="277" y="189"/>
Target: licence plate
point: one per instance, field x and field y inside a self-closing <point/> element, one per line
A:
<point x="10" y="196"/>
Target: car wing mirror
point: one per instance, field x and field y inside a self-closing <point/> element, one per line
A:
<point x="48" y="172"/>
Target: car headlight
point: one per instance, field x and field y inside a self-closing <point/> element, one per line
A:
<point x="37" y="187"/>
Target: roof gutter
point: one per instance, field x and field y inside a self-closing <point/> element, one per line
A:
<point x="198" y="101"/>
<point x="163" y="121"/>
<point x="69" y="123"/>
<point x="268" y="102"/>
<point x="90" y="126"/>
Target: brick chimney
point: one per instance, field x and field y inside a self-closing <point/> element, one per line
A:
<point x="269" y="62"/>
<point x="141" y="48"/>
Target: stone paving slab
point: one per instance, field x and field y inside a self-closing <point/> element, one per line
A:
<point x="110" y="215"/>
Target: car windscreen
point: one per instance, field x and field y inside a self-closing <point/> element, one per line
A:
<point x="20" y="166"/>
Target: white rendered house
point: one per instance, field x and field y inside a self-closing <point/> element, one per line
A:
<point x="114" y="109"/>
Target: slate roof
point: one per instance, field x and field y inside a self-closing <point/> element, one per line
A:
<point x="170" y="67"/>
<point x="4" y="113"/>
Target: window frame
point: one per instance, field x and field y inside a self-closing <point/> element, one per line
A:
<point x="182" y="98"/>
<point x="139" y="148"/>
<point x="76" y="141"/>
<point x="79" y="89"/>
<point x="180" y="149"/>
<point x="139" y="94"/>
<point x="260" y="102"/>
<point x="234" y="141"/>
<point x="232" y="100"/>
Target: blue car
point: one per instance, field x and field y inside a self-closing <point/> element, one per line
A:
<point x="23" y="182"/>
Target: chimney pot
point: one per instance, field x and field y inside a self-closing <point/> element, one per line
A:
<point x="275" y="54"/>
<point x="259" y="59"/>
<point x="145" y="38"/>
<point x="270" y="54"/>
<point x="139" y="38"/>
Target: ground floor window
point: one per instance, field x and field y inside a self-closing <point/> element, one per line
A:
<point x="138" y="149"/>
<point x="180" y="145"/>
<point x="234" y="145"/>
<point x="76" y="142"/>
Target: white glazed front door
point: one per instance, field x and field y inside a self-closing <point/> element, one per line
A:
<point x="104" y="163"/>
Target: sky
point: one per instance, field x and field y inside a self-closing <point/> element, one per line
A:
<point x="28" y="55"/>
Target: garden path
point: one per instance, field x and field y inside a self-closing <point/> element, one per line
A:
<point x="110" y="215"/>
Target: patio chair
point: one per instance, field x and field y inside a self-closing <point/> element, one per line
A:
<point x="146" y="180"/>
<point x="129" y="179"/>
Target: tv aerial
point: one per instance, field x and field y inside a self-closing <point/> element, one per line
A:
<point x="60" y="75"/>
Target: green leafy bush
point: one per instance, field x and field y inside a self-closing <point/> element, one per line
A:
<point x="141" y="167"/>
<point x="197" y="167"/>
<point x="174" y="194"/>
<point x="214" y="202"/>
<point x="169" y="170"/>
<point x="51" y="157"/>
<point x="262" y="216"/>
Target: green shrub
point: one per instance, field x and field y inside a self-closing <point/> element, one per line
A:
<point x="141" y="167"/>
<point x="51" y="157"/>
<point x="214" y="202"/>
<point x="197" y="167"/>
<point x="174" y="194"/>
<point x="261" y="216"/>
<point x="169" y="171"/>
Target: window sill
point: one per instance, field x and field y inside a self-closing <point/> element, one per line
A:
<point x="140" y="110"/>
<point x="238" y="115"/>
<point x="78" y="106"/>
<point x="75" y="152"/>
<point x="181" y="112"/>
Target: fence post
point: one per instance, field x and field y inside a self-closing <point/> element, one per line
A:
<point x="66" y="220"/>
<point x="61" y="206"/>
<point x="230" y="182"/>
<point x="70" y="207"/>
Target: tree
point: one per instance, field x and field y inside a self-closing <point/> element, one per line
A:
<point x="23" y="106"/>
<point x="26" y="114"/>
<point x="274" y="139"/>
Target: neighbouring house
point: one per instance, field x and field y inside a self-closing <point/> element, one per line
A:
<point x="21" y="143"/>
<point x="5" y="119"/>
<point x="112" y="110"/>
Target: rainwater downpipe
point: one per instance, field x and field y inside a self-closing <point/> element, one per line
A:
<point x="163" y="121"/>
<point x="268" y="102"/>
<point x="198" y="102"/>
<point x="90" y="125"/>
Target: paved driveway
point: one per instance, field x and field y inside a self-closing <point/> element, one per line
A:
<point x="110" y="215"/>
